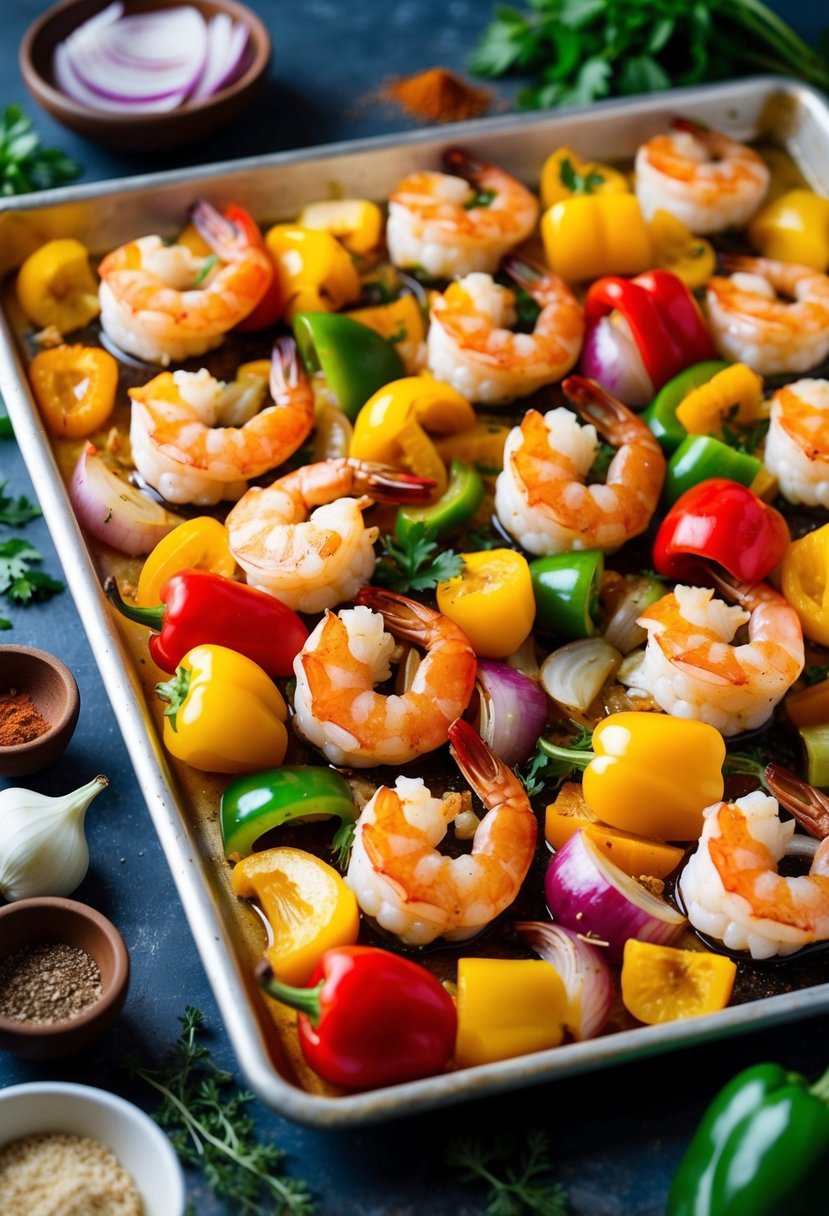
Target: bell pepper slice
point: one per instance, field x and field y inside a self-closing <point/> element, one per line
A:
<point x="804" y="581"/>
<point x="482" y="445"/>
<point x="74" y="387"/>
<point x="315" y="272"/>
<point x="565" y="174"/>
<point x="815" y="740"/>
<point x="507" y="1007"/>
<point x="357" y="222"/>
<point x="197" y="544"/>
<point x="664" y="318"/>
<point x="355" y="360"/>
<point x="566" y="588"/>
<point x="663" y="983"/>
<point x="732" y="397"/>
<point x="720" y="521"/>
<point x="455" y="507"/>
<point x="257" y="802"/>
<point x="793" y="228"/>
<point x="591" y="235"/>
<point x="491" y="600"/>
<point x="677" y="249"/>
<point x="638" y="856"/>
<point x="402" y="323"/>
<point x="56" y="286"/>
<point x="808" y="706"/>
<point x="700" y="457"/>
<point x="661" y="413"/>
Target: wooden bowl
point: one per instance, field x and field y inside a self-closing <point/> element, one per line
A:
<point x="139" y="132"/>
<point x="55" y="696"/>
<point x="30" y="922"/>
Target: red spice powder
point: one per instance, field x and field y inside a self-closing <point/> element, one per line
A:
<point x="437" y="95"/>
<point x="20" y="720"/>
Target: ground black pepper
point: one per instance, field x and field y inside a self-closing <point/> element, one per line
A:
<point x="48" y="982"/>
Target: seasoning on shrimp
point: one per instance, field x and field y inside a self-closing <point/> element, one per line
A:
<point x="471" y="344"/>
<point x="797" y="443"/>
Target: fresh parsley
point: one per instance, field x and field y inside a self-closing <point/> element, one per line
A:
<point x="579" y="183"/>
<point x="205" y="1115"/>
<point x="24" y="164"/>
<point x="817" y="673"/>
<point x="18" y="582"/>
<point x="481" y="198"/>
<point x="520" y="1189"/>
<point x="19" y="512"/>
<point x="414" y="563"/>
<point x="543" y="771"/>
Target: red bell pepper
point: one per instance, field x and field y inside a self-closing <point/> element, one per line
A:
<point x="370" y="1018"/>
<point x="272" y="305"/>
<point x="721" y="521"/>
<point x="664" y="319"/>
<point x="199" y="608"/>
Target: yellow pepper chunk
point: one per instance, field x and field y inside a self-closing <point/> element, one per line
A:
<point x="663" y="983"/>
<point x="804" y="581"/>
<point x="308" y="906"/>
<point x="637" y="855"/>
<point x="794" y="228"/>
<point x="197" y="544"/>
<point x="74" y="387"/>
<point x="564" y="175"/>
<point x="482" y="446"/>
<point x="734" y="395"/>
<point x="402" y="322"/>
<point x="356" y="222"/>
<point x="809" y="706"/>
<point x="491" y="600"/>
<point x="675" y="248"/>
<point x="506" y="1008"/>
<point x="316" y="272"/>
<point x="56" y="286"/>
<point x="588" y="236"/>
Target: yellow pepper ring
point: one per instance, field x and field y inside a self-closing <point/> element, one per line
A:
<point x="804" y="581"/>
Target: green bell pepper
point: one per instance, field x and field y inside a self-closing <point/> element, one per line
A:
<point x="699" y="457"/>
<point x="461" y="499"/>
<point x="761" y="1149"/>
<point x="256" y="802"/>
<point x="816" y="745"/>
<point x="566" y="589"/>
<point x="355" y="360"/>
<point x="661" y="413"/>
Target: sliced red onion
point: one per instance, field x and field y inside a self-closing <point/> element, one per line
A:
<point x="622" y="630"/>
<point x="589" y="894"/>
<point x="575" y="673"/>
<point x="115" y="512"/>
<point x="611" y="357"/>
<point x="583" y="970"/>
<point x="227" y="46"/>
<point x="512" y="710"/>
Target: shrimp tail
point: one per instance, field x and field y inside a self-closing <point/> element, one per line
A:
<point x="524" y="271"/>
<point x="690" y="127"/>
<point x="592" y="403"/>
<point x="809" y="806"/>
<point x="404" y="618"/>
<point x="484" y="771"/>
<point x="213" y="228"/>
<point x="384" y="483"/>
<point x="461" y="164"/>
<point x="738" y="263"/>
<point x="286" y="369"/>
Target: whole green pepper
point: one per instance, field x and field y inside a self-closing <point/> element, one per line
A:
<point x="463" y="495"/>
<point x="699" y="457"/>
<point x="761" y="1149"/>
<point x="566" y="589"/>
<point x="661" y="413"/>
<point x="256" y="802"/>
<point x="355" y="360"/>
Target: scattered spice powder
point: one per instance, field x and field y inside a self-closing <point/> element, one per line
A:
<point x="437" y="95"/>
<point x="48" y="982"/>
<point x="55" y="1174"/>
<point x="20" y="720"/>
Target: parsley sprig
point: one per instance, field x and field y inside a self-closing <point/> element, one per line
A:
<point x="205" y="1115"/>
<point x="520" y="1189"/>
<point x="579" y="183"/>
<point x="18" y="581"/>
<point x="543" y="771"/>
<point x="414" y="563"/>
<point x="816" y="673"/>
<point x="24" y="164"/>
<point x="17" y="512"/>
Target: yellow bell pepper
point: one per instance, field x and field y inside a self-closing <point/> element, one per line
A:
<point x="734" y="395"/>
<point x="507" y="1007"/>
<point x="56" y="286"/>
<point x="564" y="175"/>
<point x="663" y="983"/>
<point x="808" y="706"/>
<point x="197" y="544"/>
<point x="74" y="387"/>
<point x="804" y="581"/>
<point x="356" y="222"/>
<point x="308" y="906"/>
<point x="316" y="272"/>
<point x="675" y="248"/>
<point x="225" y="714"/>
<point x="637" y="855"/>
<point x="482" y="446"/>
<point x="794" y="228"/>
<point x="491" y="600"/>
<point x="401" y="322"/>
<point x="588" y="236"/>
<point x="396" y="425"/>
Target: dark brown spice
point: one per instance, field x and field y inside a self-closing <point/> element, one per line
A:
<point x="48" y="982"/>
<point x="437" y="95"/>
<point x="20" y="720"/>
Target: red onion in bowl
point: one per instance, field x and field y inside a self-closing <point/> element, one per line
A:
<point x="589" y="894"/>
<point x="611" y="357"/>
<point x="115" y="512"/>
<point x="583" y="971"/>
<point x="512" y="710"/>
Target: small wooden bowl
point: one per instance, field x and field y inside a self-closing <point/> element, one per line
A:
<point x="139" y="132"/>
<point x="55" y="696"/>
<point x="30" y="922"/>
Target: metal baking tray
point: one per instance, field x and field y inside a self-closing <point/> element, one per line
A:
<point x="105" y="214"/>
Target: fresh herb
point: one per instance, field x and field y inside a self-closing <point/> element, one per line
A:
<point x="527" y="311"/>
<point x="749" y="762"/>
<point x="24" y="164"/>
<point x="481" y="198"/>
<point x="601" y="462"/>
<point x="744" y="438"/>
<point x="414" y="564"/>
<point x="206" y="267"/>
<point x="15" y="514"/>
<point x="6" y="430"/>
<point x="816" y="674"/>
<point x="18" y="582"/>
<point x="581" y="50"/>
<point x="342" y="844"/>
<point x="544" y="771"/>
<point x="579" y="183"/>
<point x="513" y="1190"/>
<point x="204" y="1113"/>
<point x="483" y="538"/>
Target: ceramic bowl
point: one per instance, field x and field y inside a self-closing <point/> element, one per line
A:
<point x="82" y="1110"/>
<point x="139" y="132"/>
<point x="29" y="922"/>
<point x="54" y="693"/>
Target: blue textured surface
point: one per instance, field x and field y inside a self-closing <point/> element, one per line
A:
<point x="616" y="1135"/>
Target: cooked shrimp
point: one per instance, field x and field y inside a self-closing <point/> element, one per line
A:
<point x="312" y="560"/>
<point x="417" y="893"/>
<point x="472" y="347"/>
<point x="731" y="888"/>
<point x="797" y="444"/>
<point x="541" y="497"/>
<point x="704" y="178"/>
<point x="163" y="303"/>
<point x="337" y="706"/>
<point x="455" y="223"/>
<point x="692" y="670"/>
<point x="750" y="324"/>
<point x="196" y="439"/>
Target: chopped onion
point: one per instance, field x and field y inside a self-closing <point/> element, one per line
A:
<point x="227" y="46"/>
<point x="589" y="894"/>
<point x="611" y="357"/>
<point x="115" y="512"/>
<point x="575" y="674"/>
<point x="621" y="629"/>
<point x="583" y="970"/>
<point x="525" y="660"/>
<point x="512" y="710"/>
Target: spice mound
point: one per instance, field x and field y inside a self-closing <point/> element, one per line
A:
<point x="437" y="95"/>
<point x="61" y="1175"/>
<point x="48" y="982"/>
<point x="20" y="719"/>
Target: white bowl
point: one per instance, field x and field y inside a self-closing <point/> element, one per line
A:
<point x="82" y="1110"/>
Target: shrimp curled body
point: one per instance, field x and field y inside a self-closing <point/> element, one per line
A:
<point x="732" y="890"/>
<point x="417" y="893"/>
<point x="797" y="444"/>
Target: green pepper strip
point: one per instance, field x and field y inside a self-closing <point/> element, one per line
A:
<point x="816" y="744"/>
<point x="464" y="494"/>
<point x="699" y="457"/>
<point x="566" y="589"/>
<point x="256" y="802"/>
<point x="355" y="360"/>
<point x="661" y="413"/>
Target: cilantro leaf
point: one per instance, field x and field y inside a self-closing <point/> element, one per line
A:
<point x="16" y="513"/>
<point x="414" y="564"/>
<point x="18" y="582"/>
<point x="24" y="164"/>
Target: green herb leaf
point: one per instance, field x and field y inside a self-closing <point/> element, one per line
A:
<point x="18" y="582"/>
<point x="24" y="164"/>
<point x="817" y="673"/>
<point x="206" y="267"/>
<point x="579" y="183"/>
<point x="6" y="430"/>
<point x="15" y="514"/>
<point x="750" y="762"/>
<point x="519" y="1189"/>
<point x="414" y="563"/>
<point x="481" y="198"/>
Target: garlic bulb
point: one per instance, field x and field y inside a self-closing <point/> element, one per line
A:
<point x="43" y="849"/>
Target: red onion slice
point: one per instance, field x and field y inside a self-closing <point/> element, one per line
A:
<point x="227" y="46"/>
<point x="115" y="512"/>
<point x="512" y="710"/>
<point x="583" y="971"/>
<point x="611" y="357"/>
